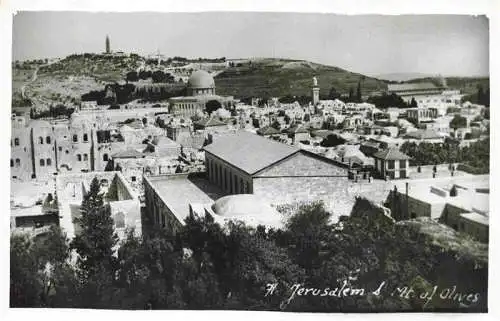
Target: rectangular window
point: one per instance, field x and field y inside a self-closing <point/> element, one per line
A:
<point x="402" y="164"/>
<point x="85" y="157"/>
<point x="390" y="164"/>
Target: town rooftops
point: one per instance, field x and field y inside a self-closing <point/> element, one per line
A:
<point x="249" y="152"/>
<point x="391" y="154"/>
<point x="412" y="87"/>
<point x="423" y="134"/>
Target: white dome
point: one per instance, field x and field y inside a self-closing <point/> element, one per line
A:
<point x="201" y="79"/>
<point x="248" y="208"/>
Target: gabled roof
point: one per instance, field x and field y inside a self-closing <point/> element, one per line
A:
<point x="391" y="154"/>
<point x="249" y="152"/>
<point x="268" y="130"/>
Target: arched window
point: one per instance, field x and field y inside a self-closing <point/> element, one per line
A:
<point x="42" y="162"/>
<point x="79" y="157"/>
<point x="85" y="157"/>
<point x="40" y="140"/>
<point x="47" y="139"/>
<point x="85" y="137"/>
<point x="16" y="141"/>
<point x="105" y="157"/>
<point x="75" y="138"/>
<point x="18" y="162"/>
<point x="49" y="162"/>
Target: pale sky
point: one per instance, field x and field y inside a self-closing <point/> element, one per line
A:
<point x="451" y="45"/>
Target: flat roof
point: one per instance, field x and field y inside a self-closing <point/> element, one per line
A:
<point x="178" y="191"/>
<point x="469" y="199"/>
<point x="476" y="217"/>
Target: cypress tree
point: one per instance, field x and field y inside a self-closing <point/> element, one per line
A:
<point x="94" y="244"/>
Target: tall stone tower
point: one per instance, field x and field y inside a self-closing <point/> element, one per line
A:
<point x="108" y="49"/>
<point x="315" y="92"/>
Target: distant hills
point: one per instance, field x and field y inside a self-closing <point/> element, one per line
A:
<point x="74" y="75"/>
<point x="273" y="77"/>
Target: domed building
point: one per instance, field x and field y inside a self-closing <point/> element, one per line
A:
<point x="201" y="83"/>
<point x="249" y="209"/>
<point x="200" y="90"/>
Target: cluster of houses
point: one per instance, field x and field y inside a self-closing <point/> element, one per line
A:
<point x="236" y="162"/>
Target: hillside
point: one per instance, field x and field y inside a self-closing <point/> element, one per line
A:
<point x="279" y="77"/>
<point x="65" y="80"/>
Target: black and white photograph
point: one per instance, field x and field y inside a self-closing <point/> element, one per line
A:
<point x="249" y="161"/>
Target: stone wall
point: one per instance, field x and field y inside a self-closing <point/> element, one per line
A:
<point x="159" y="214"/>
<point x="333" y="191"/>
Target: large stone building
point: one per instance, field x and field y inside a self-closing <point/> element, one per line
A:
<point x="200" y="90"/>
<point x="245" y="163"/>
<point x="427" y="94"/>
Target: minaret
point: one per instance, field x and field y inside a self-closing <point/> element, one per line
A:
<point x="315" y="92"/>
<point x="108" y="49"/>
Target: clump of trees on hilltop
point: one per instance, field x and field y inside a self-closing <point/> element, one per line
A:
<point x="389" y="100"/>
<point x="206" y="266"/>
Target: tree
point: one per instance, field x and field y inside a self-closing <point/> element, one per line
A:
<point x="132" y="76"/>
<point x="351" y="94"/>
<point x="25" y="287"/>
<point x="332" y="140"/>
<point x="158" y="76"/>
<point x="276" y="125"/>
<point x="95" y="243"/>
<point x="458" y="122"/>
<point x="307" y="232"/>
<point x="212" y="105"/>
<point x="333" y="94"/>
<point x="358" y="93"/>
<point x="480" y="94"/>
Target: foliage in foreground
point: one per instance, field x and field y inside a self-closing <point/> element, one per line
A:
<point x="206" y="266"/>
